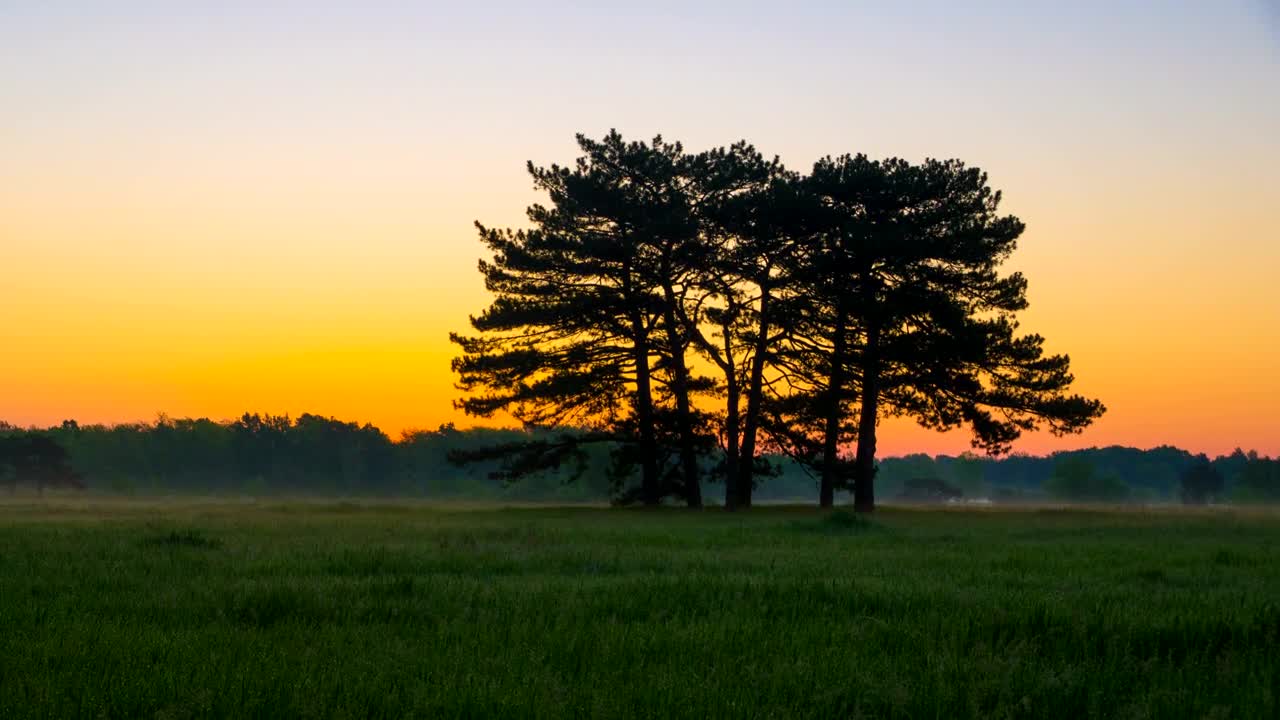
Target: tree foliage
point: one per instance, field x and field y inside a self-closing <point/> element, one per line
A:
<point x="37" y="459"/>
<point x="1201" y="482"/>
<point x="1075" y="479"/>
<point x="1257" y="479"/>
<point x="821" y="303"/>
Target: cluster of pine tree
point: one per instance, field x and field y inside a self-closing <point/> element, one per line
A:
<point x="695" y="311"/>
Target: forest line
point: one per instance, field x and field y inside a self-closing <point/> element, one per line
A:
<point x="312" y="455"/>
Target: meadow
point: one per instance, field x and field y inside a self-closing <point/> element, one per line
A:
<point x="219" y="608"/>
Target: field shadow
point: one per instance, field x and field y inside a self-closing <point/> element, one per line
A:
<point x="182" y="539"/>
<point x="838" y="522"/>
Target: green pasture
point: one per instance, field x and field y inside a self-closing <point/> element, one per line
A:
<point x="172" y="609"/>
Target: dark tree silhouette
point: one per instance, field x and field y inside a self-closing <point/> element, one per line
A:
<point x="37" y="459"/>
<point x="918" y="318"/>
<point x="825" y="302"/>
<point x="657" y="181"/>
<point x="1201" y="483"/>
<point x="8" y="455"/>
<point x="1076" y="479"/>
<point x="583" y="325"/>
<point x="753" y="232"/>
<point x="1258" y="479"/>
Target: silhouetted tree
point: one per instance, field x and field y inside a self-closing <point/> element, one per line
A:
<point x="773" y="224"/>
<point x="583" y="324"/>
<point x="259" y="445"/>
<point x="1201" y="482"/>
<point x="869" y="285"/>
<point x="37" y="459"/>
<point x="747" y="208"/>
<point x="916" y="319"/>
<point x="660" y="181"/>
<point x="1258" y="479"/>
<point x="1075" y="479"/>
<point x="969" y="474"/>
<point x="8" y="473"/>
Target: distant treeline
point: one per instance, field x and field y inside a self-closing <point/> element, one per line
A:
<point x="275" y="455"/>
<point x="268" y="455"/>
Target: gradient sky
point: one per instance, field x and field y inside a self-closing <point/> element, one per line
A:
<point x="207" y="208"/>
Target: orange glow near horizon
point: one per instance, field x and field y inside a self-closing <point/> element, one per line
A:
<point x="274" y="303"/>
<point x="287" y="228"/>
<point x="277" y="305"/>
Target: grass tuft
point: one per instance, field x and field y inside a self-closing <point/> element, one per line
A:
<point x="1230" y="558"/>
<point x="837" y="522"/>
<point x="182" y="539"/>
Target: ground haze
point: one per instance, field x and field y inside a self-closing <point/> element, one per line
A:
<point x="305" y="608"/>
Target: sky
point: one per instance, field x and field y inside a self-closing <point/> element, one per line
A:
<point x="208" y="208"/>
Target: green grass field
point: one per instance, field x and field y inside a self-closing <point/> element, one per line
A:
<point x="308" y="609"/>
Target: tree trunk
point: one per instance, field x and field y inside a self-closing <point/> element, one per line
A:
<point x="684" y="412"/>
<point x="649" y="490"/>
<point x="864" y="464"/>
<point x="732" y="493"/>
<point x="755" y="391"/>
<point x="831" y="434"/>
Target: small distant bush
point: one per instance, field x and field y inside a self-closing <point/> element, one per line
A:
<point x="837" y="522"/>
<point x="929" y="489"/>
<point x="1009" y="494"/>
